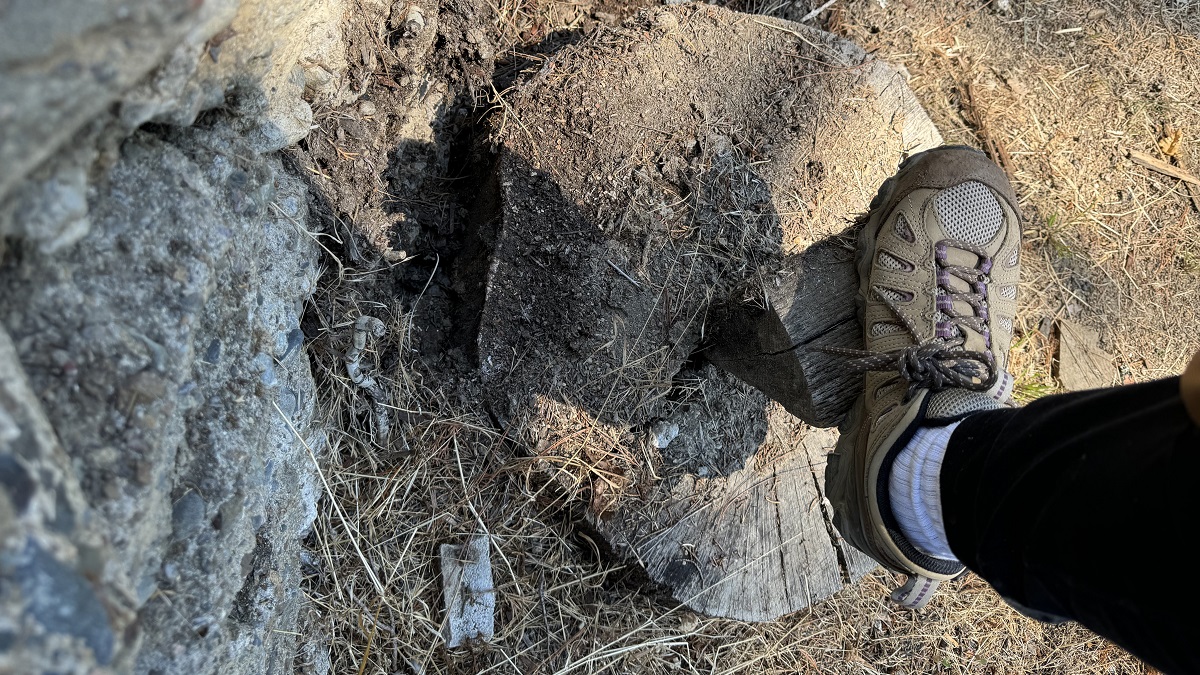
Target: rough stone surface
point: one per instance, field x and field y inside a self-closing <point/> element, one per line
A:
<point x="62" y="64"/>
<point x="73" y="83"/>
<point x="163" y="347"/>
<point x="155" y="398"/>
<point x="156" y="447"/>
<point x="54" y="610"/>
<point x="261" y="65"/>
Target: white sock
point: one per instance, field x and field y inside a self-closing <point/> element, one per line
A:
<point x="915" y="491"/>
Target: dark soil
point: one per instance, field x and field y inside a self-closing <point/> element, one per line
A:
<point x="646" y="172"/>
<point x="388" y="173"/>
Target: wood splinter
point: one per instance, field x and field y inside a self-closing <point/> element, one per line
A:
<point x="1155" y="164"/>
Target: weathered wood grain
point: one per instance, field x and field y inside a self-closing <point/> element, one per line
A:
<point x="753" y="545"/>
<point x="1082" y="364"/>
<point x="773" y="342"/>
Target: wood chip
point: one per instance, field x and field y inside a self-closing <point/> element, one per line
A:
<point x="1082" y="365"/>
<point x="468" y="592"/>
<point x="1154" y="164"/>
<point x="1171" y="142"/>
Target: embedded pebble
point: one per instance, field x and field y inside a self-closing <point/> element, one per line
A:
<point x="662" y="433"/>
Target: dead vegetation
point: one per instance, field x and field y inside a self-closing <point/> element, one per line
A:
<point x="1061" y="93"/>
<point x="1058" y="92"/>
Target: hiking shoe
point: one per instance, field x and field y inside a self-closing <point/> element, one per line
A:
<point x="938" y="264"/>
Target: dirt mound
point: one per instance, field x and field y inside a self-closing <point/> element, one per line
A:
<point x="646" y="173"/>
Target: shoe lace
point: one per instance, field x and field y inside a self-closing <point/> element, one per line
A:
<point x="940" y="362"/>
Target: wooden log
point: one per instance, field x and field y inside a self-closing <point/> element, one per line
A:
<point x="770" y="337"/>
<point x="644" y="177"/>
<point x="753" y="545"/>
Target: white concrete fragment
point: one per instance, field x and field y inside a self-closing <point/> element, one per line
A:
<point x="468" y="592"/>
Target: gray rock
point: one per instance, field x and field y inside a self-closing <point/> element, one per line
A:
<point x="150" y="342"/>
<point x="61" y="600"/>
<point x="271" y="53"/>
<point x="52" y="603"/>
<point x="662" y="433"/>
<point x="154" y="304"/>
<point x="52" y="210"/>
<point x="63" y="67"/>
<point x="187" y="516"/>
<point x="61" y="64"/>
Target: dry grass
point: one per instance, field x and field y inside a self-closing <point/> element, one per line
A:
<point x="1062" y="88"/>
<point x="562" y="606"/>
<point x="1107" y="243"/>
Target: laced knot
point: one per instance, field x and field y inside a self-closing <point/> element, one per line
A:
<point x="940" y="362"/>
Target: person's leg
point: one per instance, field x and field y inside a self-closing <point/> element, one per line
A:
<point x="1080" y="506"/>
<point x="1075" y="507"/>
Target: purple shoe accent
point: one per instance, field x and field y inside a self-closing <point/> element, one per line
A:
<point x="945" y="303"/>
<point x="1005" y="386"/>
<point x="986" y="267"/>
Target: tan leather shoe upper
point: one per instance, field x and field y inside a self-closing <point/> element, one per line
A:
<point x="939" y="264"/>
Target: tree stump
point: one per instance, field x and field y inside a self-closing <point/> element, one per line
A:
<point x="671" y="196"/>
<point x="770" y="337"/>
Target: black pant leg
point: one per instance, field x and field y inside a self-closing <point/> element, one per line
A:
<point x="1086" y="506"/>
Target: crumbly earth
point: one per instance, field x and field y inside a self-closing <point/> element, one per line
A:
<point x="644" y="177"/>
<point x="1056" y="90"/>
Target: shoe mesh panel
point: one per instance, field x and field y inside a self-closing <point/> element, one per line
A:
<point x="879" y="329"/>
<point x="970" y="213"/>
<point x="1005" y="324"/>
<point x="1008" y="292"/>
<point x="950" y="403"/>
<point x="890" y="294"/>
<point x="904" y="230"/>
<point x="891" y="262"/>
